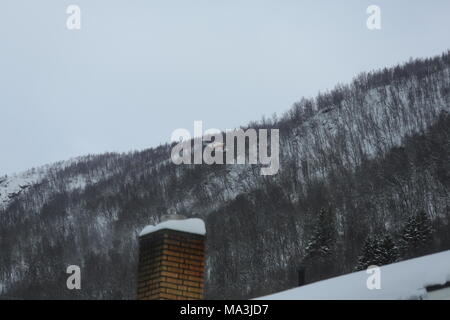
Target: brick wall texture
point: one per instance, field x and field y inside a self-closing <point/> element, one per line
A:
<point x="171" y="266"/>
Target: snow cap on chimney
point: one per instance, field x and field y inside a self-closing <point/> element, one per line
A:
<point x="177" y="222"/>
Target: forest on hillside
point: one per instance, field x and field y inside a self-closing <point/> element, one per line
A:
<point x="364" y="179"/>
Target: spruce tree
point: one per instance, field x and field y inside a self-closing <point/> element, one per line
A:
<point x="320" y="252"/>
<point x="322" y="241"/>
<point x="368" y="255"/>
<point x="417" y="235"/>
<point x="388" y="251"/>
<point x="377" y="251"/>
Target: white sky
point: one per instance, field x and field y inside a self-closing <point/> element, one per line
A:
<point x="139" y="69"/>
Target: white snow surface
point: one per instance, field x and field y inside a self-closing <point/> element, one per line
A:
<point x="399" y="281"/>
<point x="12" y="186"/>
<point x="193" y="225"/>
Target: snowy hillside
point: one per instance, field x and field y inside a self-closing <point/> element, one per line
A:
<point x="11" y="187"/>
<point x="366" y="158"/>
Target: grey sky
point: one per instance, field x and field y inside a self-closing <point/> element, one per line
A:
<point x="139" y="69"/>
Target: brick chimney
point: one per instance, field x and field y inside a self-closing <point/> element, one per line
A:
<point x="172" y="260"/>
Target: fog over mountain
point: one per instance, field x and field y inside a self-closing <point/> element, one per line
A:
<point x="365" y="165"/>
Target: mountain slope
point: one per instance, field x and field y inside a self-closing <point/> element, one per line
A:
<point x="373" y="153"/>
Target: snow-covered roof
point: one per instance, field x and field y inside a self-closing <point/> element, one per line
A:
<point x="193" y="225"/>
<point x="399" y="281"/>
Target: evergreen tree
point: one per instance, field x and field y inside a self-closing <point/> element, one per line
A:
<point x="377" y="251"/>
<point x="417" y="235"/>
<point x="387" y="251"/>
<point x="368" y="255"/>
<point x="319" y="261"/>
<point x="321" y="243"/>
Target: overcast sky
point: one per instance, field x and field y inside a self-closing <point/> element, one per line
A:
<point x="139" y="69"/>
